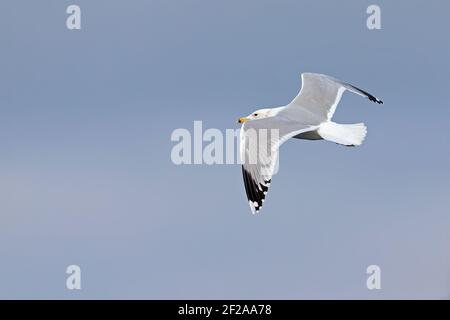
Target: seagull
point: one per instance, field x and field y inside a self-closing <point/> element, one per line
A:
<point x="306" y="117"/>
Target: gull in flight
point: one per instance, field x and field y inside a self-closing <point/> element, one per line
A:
<point x="307" y="117"/>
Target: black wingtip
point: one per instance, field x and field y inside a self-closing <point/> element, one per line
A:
<point x="373" y="99"/>
<point x="256" y="192"/>
<point x="368" y="95"/>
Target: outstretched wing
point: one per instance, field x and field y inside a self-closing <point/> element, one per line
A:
<point x="319" y="97"/>
<point x="259" y="143"/>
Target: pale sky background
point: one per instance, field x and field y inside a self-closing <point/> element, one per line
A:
<point x="85" y="170"/>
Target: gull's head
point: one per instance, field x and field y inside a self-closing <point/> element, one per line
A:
<point x="256" y="115"/>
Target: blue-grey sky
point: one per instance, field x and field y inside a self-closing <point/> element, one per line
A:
<point x="86" y="176"/>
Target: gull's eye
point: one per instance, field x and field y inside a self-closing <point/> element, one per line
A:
<point x="255" y="114"/>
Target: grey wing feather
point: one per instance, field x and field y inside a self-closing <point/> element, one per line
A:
<point x="259" y="153"/>
<point x="319" y="97"/>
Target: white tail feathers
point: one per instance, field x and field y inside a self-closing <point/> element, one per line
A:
<point x="345" y="134"/>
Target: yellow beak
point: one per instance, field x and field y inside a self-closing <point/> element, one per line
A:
<point x="242" y="120"/>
